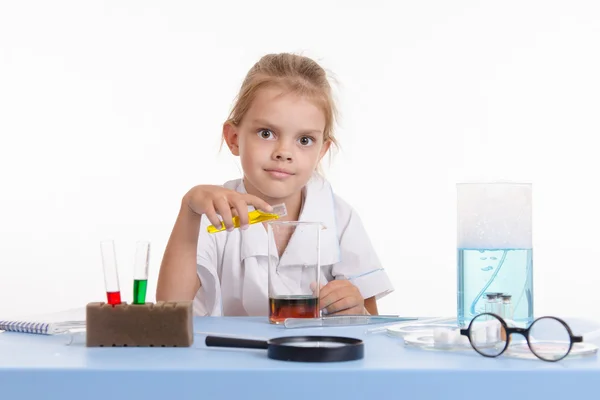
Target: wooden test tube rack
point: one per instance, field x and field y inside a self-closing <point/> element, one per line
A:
<point x="160" y="324"/>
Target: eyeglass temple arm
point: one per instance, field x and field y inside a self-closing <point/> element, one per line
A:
<point x="577" y="339"/>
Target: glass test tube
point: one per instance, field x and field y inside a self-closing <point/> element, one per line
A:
<point x="140" y="272"/>
<point x="111" y="277"/>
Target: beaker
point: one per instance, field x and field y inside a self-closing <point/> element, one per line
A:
<point x="494" y="248"/>
<point x="294" y="269"/>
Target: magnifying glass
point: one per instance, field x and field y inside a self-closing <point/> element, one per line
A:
<point x="299" y="348"/>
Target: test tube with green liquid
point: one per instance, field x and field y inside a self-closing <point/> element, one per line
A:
<point x="140" y="272"/>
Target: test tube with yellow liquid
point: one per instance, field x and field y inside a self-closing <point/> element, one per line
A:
<point x="254" y="217"/>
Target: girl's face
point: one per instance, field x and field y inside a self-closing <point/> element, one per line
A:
<point x="280" y="143"/>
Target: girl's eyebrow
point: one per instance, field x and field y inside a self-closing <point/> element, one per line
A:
<point x="262" y="122"/>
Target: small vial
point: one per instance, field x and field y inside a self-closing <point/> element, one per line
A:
<point x="497" y="307"/>
<point x="111" y="277"/>
<point x="498" y="304"/>
<point x="507" y="311"/>
<point x="140" y="272"/>
<point x="491" y="303"/>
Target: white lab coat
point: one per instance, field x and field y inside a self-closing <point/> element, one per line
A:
<point x="233" y="266"/>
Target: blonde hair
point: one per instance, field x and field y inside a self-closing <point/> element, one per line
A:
<point x="300" y="75"/>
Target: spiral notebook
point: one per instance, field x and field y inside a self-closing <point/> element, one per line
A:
<point x="47" y="324"/>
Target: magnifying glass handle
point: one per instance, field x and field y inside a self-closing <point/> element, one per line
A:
<point x="222" y="341"/>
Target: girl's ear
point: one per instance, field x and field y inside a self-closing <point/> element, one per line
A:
<point x="230" y="135"/>
<point x="324" y="149"/>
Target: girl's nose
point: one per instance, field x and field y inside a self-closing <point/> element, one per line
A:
<point x="282" y="155"/>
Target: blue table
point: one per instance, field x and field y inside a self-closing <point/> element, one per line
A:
<point x="43" y="367"/>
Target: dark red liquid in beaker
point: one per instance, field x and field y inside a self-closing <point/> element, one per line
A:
<point x="281" y="308"/>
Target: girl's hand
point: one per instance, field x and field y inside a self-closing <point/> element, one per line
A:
<point x="213" y="200"/>
<point x="341" y="297"/>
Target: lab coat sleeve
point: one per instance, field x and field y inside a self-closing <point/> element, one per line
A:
<point x="358" y="260"/>
<point x="207" y="301"/>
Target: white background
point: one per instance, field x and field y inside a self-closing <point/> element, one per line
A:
<point x="111" y="110"/>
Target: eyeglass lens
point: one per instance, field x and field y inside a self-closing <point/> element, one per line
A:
<point x="488" y="335"/>
<point x="549" y="339"/>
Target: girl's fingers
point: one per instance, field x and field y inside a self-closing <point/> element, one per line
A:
<point x="340" y="295"/>
<point x="224" y="210"/>
<point x="212" y="216"/>
<point x="346" y="305"/>
<point x="241" y="208"/>
<point x="328" y="299"/>
<point x="333" y="286"/>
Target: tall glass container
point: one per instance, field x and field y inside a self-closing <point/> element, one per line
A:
<point x="294" y="274"/>
<point x="494" y="246"/>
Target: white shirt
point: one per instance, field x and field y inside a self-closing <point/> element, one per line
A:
<point x="233" y="266"/>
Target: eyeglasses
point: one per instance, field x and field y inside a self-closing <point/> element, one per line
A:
<point x="548" y="338"/>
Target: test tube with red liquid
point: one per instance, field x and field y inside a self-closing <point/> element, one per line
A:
<point x="111" y="277"/>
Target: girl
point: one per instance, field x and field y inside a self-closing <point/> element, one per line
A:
<point x="281" y="126"/>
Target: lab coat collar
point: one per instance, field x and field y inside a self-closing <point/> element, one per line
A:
<point x="318" y="206"/>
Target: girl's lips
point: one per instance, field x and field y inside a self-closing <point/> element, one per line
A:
<point x="279" y="173"/>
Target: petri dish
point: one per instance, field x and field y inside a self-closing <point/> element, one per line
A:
<point x="521" y="350"/>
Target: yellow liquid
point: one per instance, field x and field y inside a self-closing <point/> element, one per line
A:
<point x="254" y="217"/>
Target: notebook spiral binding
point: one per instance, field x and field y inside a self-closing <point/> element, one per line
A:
<point x="25" y="327"/>
<point x="40" y="328"/>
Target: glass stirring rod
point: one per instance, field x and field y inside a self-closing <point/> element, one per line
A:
<point x="344" y="320"/>
<point x="140" y="272"/>
<point x="111" y="276"/>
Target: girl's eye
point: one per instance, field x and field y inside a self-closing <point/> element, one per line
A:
<point x="265" y="134"/>
<point x="306" y="141"/>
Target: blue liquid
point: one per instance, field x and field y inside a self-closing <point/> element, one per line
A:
<point x="507" y="271"/>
